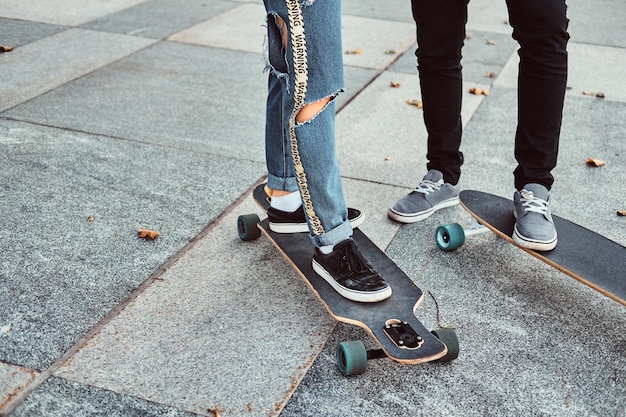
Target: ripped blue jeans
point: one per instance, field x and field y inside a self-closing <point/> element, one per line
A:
<point x="305" y="63"/>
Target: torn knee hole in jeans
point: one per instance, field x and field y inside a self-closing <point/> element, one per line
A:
<point x="276" y="46"/>
<point x="309" y="111"/>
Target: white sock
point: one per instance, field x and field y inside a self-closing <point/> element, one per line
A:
<point x="326" y="249"/>
<point x="288" y="202"/>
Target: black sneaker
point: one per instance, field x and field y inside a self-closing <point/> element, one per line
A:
<point x="286" y="222"/>
<point x="350" y="274"/>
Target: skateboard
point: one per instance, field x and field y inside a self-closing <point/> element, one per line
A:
<point x="392" y="323"/>
<point x="584" y="255"/>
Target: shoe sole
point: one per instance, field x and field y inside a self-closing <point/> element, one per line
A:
<point x="304" y="228"/>
<point x="360" y="296"/>
<point x="537" y="245"/>
<point x="527" y="243"/>
<point x="416" y="217"/>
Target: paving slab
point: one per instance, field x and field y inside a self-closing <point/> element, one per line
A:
<point x="61" y="272"/>
<point x="13" y="379"/>
<point x="374" y="43"/>
<point x="166" y="95"/>
<point x="355" y="80"/>
<point x="483" y="53"/>
<point x="17" y="33"/>
<point x="592" y="196"/>
<point x="490" y="16"/>
<point x="57" y="397"/>
<point x="592" y="69"/>
<point x="62" y="12"/>
<point x="395" y="10"/>
<point x="230" y="326"/>
<point x="389" y="133"/>
<point x="598" y="22"/>
<point x="159" y="18"/>
<point x="241" y="28"/>
<point x="57" y="59"/>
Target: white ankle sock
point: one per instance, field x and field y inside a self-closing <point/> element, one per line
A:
<point x="326" y="249"/>
<point x="288" y="202"/>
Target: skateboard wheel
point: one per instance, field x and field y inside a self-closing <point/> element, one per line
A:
<point x="448" y="338"/>
<point x="351" y="358"/>
<point x="247" y="227"/>
<point x="450" y="236"/>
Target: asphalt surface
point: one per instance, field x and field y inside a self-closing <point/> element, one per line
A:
<point x="132" y="114"/>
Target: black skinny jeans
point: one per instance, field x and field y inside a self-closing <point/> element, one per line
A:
<point x="540" y="28"/>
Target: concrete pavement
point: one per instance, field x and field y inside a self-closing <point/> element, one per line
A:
<point x="149" y="113"/>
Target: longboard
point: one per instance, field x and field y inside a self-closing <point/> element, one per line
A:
<point x="392" y="323"/>
<point x="582" y="254"/>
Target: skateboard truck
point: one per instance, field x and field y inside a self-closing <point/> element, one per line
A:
<point x="452" y="236"/>
<point x="402" y="334"/>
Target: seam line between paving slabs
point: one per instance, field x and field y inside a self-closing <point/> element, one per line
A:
<point x="374" y="78"/>
<point x="19" y="397"/>
<point x="44" y="92"/>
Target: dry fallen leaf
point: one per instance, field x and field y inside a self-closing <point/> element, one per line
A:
<point x="591" y="93"/>
<point x="394" y="84"/>
<point x="4" y="48"/>
<point x="387" y="158"/>
<point x="593" y="162"/>
<point x="147" y="234"/>
<point x="416" y="103"/>
<point x="357" y="51"/>
<point x="621" y="213"/>
<point x="490" y="74"/>
<point x="479" y="91"/>
<point x="90" y="218"/>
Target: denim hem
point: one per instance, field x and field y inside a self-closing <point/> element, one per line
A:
<point x="332" y="237"/>
<point x="284" y="184"/>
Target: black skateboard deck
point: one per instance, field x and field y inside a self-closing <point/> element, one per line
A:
<point x="582" y="254"/>
<point x="384" y="320"/>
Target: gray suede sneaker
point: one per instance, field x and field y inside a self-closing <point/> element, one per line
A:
<point x="430" y="195"/>
<point x="534" y="227"/>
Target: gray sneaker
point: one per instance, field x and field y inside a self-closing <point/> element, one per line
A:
<point x="430" y="195"/>
<point x="534" y="227"/>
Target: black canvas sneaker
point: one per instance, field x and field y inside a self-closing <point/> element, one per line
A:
<point x="350" y="274"/>
<point x="286" y="222"/>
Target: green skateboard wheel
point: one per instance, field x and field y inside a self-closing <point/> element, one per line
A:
<point x="351" y="358"/>
<point x="448" y="337"/>
<point x="450" y="236"/>
<point x="247" y="227"/>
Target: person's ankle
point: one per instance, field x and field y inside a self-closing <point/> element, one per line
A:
<point x="285" y="200"/>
